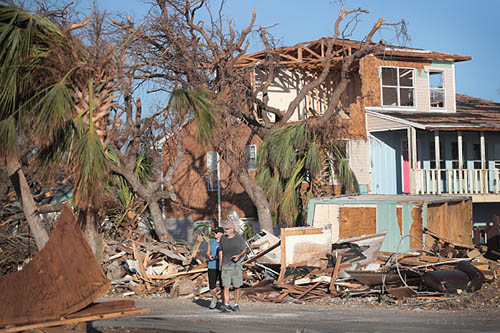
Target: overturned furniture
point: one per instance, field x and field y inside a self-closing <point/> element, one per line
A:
<point x="400" y="215"/>
<point x="59" y="285"/>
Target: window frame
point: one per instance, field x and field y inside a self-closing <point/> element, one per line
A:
<point x="249" y="158"/>
<point x="398" y="88"/>
<point x="443" y="89"/>
<point x="211" y="187"/>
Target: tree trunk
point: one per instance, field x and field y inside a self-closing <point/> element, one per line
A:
<point x="159" y="224"/>
<point x="24" y="195"/>
<point x="260" y="201"/>
<point x="89" y="222"/>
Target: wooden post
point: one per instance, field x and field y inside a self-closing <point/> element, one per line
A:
<point x="438" y="163"/>
<point x="482" y="175"/>
<point x="283" y="256"/>
<point x="413" y="165"/>
<point x="460" y="162"/>
<point x="335" y="273"/>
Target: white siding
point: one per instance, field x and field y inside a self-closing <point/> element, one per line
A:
<point x="449" y="86"/>
<point x="374" y="123"/>
<point x="422" y="91"/>
<point x="359" y="160"/>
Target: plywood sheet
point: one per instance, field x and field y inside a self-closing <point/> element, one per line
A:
<point x="62" y="278"/>
<point x="416" y="228"/>
<point x="452" y="221"/>
<point x="357" y="221"/>
<point x="399" y="216"/>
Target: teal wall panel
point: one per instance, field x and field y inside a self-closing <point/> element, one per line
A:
<point x="387" y="220"/>
<point x="406" y="226"/>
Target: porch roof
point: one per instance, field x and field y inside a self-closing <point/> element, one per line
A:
<point x="473" y="114"/>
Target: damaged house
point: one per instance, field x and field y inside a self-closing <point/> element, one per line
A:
<point x="406" y="130"/>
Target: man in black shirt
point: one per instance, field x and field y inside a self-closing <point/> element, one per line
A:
<point x="232" y="250"/>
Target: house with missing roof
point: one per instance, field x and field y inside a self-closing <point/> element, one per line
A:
<point x="407" y="130"/>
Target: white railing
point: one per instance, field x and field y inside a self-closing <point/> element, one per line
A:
<point x="457" y="181"/>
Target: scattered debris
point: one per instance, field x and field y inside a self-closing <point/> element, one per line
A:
<point x="59" y="285"/>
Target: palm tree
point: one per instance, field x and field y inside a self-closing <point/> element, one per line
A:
<point x="292" y="167"/>
<point x="24" y="41"/>
<point x="38" y="64"/>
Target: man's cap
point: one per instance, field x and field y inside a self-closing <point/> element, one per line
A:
<point x="218" y="229"/>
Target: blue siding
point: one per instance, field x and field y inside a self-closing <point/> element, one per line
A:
<point x="385" y="160"/>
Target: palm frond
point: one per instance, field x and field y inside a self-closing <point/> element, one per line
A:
<point x="263" y="178"/>
<point x="314" y="159"/>
<point x="287" y="163"/>
<point x="194" y="103"/>
<point x="274" y="192"/>
<point x="55" y="106"/>
<point x="263" y="156"/>
<point x="290" y="202"/>
<point x="301" y="137"/>
<point x="345" y="175"/>
<point x="90" y="167"/>
<point x="144" y="168"/>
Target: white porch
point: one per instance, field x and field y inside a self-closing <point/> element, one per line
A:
<point x="482" y="184"/>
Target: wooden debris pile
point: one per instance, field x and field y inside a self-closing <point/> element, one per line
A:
<point x="352" y="269"/>
<point x="442" y="272"/>
<point x="145" y="267"/>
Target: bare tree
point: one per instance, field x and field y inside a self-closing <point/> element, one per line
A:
<point x="180" y="50"/>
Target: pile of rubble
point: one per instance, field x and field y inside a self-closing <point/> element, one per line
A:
<point x="147" y="267"/>
<point x="355" y="268"/>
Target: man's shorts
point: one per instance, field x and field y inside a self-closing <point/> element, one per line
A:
<point x="232" y="274"/>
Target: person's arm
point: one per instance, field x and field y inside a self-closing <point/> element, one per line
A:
<point x="237" y="257"/>
<point x="220" y="255"/>
<point x="208" y="251"/>
<point x="220" y="259"/>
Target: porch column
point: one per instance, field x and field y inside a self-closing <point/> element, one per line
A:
<point x="482" y="177"/>
<point x="460" y="162"/>
<point x="413" y="161"/>
<point x="438" y="164"/>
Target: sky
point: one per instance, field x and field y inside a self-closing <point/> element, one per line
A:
<point x="463" y="27"/>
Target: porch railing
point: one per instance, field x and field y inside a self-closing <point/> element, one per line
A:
<point x="457" y="181"/>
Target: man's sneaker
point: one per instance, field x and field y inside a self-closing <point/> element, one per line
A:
<point x="213" y="303"/>
<point x="236" y="308"/>
<point x="224" y="308"/>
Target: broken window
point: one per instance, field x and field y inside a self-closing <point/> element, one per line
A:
<point x="398" y="87"/>
<point x="436" y="89"/>
<point x="212" y="171"/>
<point x="251" y="154"/>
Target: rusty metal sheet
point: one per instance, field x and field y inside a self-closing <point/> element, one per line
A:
<point x="62" y="278"/>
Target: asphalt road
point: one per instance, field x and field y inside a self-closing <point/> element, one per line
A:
<point x="173" y="315"/>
